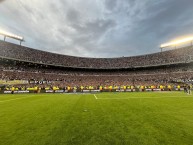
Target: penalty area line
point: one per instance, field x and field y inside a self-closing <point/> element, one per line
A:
<point x="95" y="97"/>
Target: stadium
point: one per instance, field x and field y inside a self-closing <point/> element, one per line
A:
<point x="51" y="98"/>
<point x="42" y="71"/>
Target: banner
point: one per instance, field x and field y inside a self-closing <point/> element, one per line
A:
<point x="56" y="91"/>
<point x="92" y="91"/>
<point x="127" y="90"/>
<point x="181" y="89"/>
<point x="16" y="92"/>
<point x="49" y="91"/>
<point x="39" y="82"/>
<point x="130" y="90"/>
<point x="59" y="91"/>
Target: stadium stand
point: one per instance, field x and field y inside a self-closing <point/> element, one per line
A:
<point x="34" y="66"/>
<point x="12" y="51"/>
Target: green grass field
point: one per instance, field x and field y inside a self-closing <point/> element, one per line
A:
<point x="164" y="118"/>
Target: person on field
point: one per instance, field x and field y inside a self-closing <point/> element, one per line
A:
<point x="189" y="90"/>
<point x="185" y="89"/>
<point x="169" y="88"/>
<point x="178" y="87"/>
<point x="12" y="90"/>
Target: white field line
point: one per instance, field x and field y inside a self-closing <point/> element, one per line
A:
<point x="142" y="98"/>
<point x="95" y="97"/>
<point x="15" y="99"/>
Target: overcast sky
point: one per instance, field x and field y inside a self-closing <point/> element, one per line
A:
<point x="97" y="28"/>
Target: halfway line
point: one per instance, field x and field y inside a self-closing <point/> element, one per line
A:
<point x="95" y="97"/>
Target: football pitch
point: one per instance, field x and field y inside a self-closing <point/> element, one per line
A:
<point x="149" y="118"/>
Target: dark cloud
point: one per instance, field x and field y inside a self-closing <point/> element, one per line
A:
<point x="110" y="4"/>
<point x="73" y="16"/>
<point x="106" y="28"/>
<point x="158" y="23"/>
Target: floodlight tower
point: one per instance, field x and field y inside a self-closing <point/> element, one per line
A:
<point x="175" y="43"/>
<point x="13" y="36"/>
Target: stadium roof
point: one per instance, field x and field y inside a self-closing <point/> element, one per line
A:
<point x="7" y="34"/>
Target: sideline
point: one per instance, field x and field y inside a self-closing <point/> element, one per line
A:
<point x="15" y="99"/>
<point x="141" y="98"/>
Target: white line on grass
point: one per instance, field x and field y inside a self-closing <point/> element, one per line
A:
<point x="95" y="97"/>
<point x="15" y="99"/>
<point x="142" y="98"/>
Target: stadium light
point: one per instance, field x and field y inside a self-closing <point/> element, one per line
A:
<point x="7" y="34"/>
<point x="177" y="42"/>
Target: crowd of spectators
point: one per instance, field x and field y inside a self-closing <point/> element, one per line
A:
<point x="27" y="67"/>
<point x="22" y="63"/>
<point x="165" y="75"/>
<point x="104" y="80"/>
<point x="13" y="51"/>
